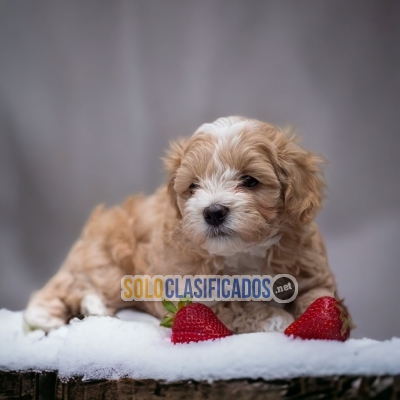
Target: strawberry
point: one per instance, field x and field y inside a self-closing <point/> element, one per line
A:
<point x="326" y="319"/>
<point x="193" y="322"/>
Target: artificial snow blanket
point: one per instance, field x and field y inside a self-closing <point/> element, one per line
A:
<point x="133" y="345"/>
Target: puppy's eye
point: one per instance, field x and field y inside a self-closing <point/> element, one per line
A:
<point x="249" y="181"/>
<point x="193" y="187"/>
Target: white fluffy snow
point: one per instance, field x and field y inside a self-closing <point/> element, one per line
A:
<point x="133" y="345"/>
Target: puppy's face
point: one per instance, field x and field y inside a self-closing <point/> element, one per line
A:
<point x="232" y="181"/>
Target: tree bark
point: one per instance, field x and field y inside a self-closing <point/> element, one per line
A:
<point x="47" y="386"/>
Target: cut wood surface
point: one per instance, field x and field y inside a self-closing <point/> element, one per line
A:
<point x="47" y="386"/>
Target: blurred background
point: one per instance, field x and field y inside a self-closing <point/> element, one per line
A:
<point x="91" y="92"/>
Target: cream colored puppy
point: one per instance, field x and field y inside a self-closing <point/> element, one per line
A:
<point x="240" y="199"/>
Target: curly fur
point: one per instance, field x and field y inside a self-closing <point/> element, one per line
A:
<point x="270" y="229"/>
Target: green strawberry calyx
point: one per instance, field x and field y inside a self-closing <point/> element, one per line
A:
<point x="168" y="320"/>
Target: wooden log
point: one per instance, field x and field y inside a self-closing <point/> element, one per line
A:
<point x="47" y="386"/>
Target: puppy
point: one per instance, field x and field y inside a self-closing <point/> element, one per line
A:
<point x="241" y="198"/>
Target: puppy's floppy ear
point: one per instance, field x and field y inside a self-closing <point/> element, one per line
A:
<point x="172" y="162"/>
<point x="302" y="180"/>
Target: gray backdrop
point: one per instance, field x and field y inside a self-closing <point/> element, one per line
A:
<point x="92" y="91"/>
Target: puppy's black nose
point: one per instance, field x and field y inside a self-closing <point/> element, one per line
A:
<point x="215" y="214"/>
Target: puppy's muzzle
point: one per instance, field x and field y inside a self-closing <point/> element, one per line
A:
<point x="215" y="214"/>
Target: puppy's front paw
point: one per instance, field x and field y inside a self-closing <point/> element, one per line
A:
<point x="278" y="322"/>
<point x="37" y="317"/>
<point x="92" y="304"/>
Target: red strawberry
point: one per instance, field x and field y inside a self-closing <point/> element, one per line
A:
<point x="326" y="319"/>
<point x="193" y="322"/>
